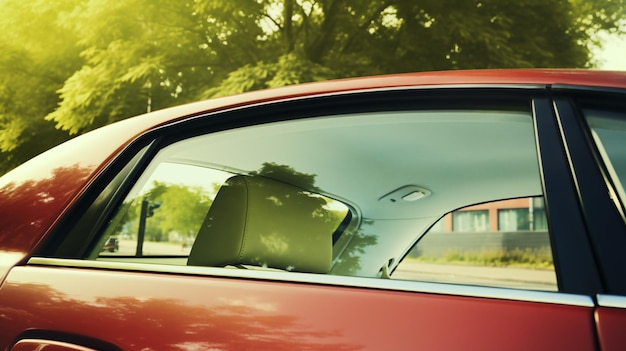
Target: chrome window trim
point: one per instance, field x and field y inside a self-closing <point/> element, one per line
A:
<point x="611" y="301"/>
<point x="336" y="280"/>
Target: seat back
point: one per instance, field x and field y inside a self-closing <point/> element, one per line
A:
<point x="263" y="222"/>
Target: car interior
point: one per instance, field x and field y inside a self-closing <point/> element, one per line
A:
<point x="248" y="224"/>
<point x="345" y="195"/>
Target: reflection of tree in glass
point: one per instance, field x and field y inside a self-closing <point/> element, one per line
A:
<point x="348" y="263"/>
<point x="287" y="174"/>
<point x="32" y="205"/>
<point x="305" y="181"/>
<point x="287" y="226"/>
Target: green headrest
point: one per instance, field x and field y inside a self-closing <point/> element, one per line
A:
<point x="263" y="222"/>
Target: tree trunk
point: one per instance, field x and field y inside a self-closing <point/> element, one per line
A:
<point x="288" y="26"/>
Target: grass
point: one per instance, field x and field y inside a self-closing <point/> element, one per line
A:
<point x="526" y="258"/>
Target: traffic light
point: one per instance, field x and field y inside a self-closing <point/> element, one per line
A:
<point x="151" y="207"/>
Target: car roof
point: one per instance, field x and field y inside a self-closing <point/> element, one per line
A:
<point x="75" y="164"/>
<point x="571" y="77"/>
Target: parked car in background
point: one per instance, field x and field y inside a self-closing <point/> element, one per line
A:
<point x="111" y="245"/>
<point x="475" y="210"/>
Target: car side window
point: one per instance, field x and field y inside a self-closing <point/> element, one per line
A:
<point x="501" y="243"/>
<point x="609" y="134"/>
<point x="341" y="195"/>
<point x="173" y="205"/>
<point x="163" y="212"/>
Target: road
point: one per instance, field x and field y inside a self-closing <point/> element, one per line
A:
<point x="511" y="277"/>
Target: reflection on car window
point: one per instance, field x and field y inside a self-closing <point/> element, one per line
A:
<point x="342" y="195"/>
<point x="501" y="243"/>
<point x="609" y="133"/>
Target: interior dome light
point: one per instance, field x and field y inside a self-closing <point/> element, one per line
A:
<point x="407" y="193"/>
<point x="415" y="195"/>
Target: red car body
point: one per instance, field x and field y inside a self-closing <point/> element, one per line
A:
<point x="85" y="307"/>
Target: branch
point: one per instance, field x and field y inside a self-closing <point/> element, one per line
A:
<point x="363" y="26"/>
<point x="265" y="14"/>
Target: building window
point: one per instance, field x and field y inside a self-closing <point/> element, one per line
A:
<point x="514" y="219"/>
<point x="540" y="222"/>
<point x="470" y="221"/>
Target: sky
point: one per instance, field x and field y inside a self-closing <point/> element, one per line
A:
<point x="613" y="54"/>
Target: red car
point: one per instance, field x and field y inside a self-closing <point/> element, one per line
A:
<point x="477" y="210"/>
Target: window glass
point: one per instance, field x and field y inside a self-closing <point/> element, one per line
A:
<point x="161" y="217"/>
<point x="609" y="133"/>
<point x="513" y="219"/>
<point x="471" y="221"/>
<point x="342" y="195"/>
<point x="163" y="212"/>
<point x="515" y="252"/>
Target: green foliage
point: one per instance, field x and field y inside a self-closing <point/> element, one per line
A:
<point x="287" y="174"/>
<point x="129" y="49"/>
<point x="80" y="64"/>
<point x="181" y="211"/>
<point x="532" y="258"/>
<point x="289" y="70"/>
<point x="182" y="208"/>
<point x="37" y="56"/>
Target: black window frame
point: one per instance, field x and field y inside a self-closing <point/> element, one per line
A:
<point x="575" y="264"/>
<point x="603" y="214"/>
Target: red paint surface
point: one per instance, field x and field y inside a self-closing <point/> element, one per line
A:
<point x="611" y="323"/>
<point x="34" y="195"/>
<point x="145" y="311"/>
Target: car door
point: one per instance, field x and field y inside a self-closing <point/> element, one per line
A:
<point x="74" y="296"/>
<point x="594" y="123"/>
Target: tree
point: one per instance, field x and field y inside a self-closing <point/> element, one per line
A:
<point x="111" y="61"/>
<point x="181" y="209"/>
<point x="37" y="56"/>
<point x="139" y="55"/>
<point x="336" y="38"/>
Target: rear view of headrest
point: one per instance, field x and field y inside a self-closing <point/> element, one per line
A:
<point x="263" y="222"/>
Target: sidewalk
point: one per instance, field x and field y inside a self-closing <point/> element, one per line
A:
<point x="511" y="277"/>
